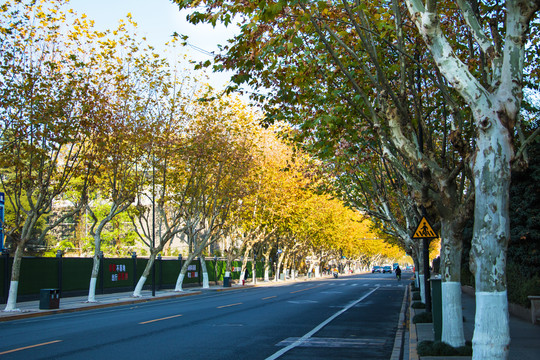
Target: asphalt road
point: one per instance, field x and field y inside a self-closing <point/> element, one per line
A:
<point x="352" y="317"/>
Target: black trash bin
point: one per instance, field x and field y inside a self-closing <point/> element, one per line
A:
<point x="226" y="281"/>
<point x="49" y="299"/>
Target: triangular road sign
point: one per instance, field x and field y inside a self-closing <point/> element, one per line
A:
<point x="424" y="230"/>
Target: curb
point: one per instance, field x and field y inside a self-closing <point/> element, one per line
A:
<point x="399" y="342"/>
<point x="413" y="337"/>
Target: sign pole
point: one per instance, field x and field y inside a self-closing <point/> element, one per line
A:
<point x="425" y="231"/>
<point x="426" y="273"/>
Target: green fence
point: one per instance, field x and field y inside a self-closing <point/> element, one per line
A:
<point x="72" y="275"/>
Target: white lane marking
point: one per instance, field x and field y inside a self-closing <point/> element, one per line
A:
<point x="335" y="342"/>
<point x="317" y="328"/>
<point x="302" y="302"/>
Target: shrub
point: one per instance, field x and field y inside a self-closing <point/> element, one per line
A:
<point x="418" y="305"/>
<point x="521" y="286"/>
<point x="422" y="318"/>
<point x="439" y="348"/>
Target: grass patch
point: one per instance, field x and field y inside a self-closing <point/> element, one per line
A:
<point x="418" y="305"/>
<point x="422" y="318"/>
<point x="439" y="348"/>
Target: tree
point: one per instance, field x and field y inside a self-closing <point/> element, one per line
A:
<point x="168" y="177"/>
<point x="48" y="105"/>
<point x="219" y="161"/>
<point x="133" y="80"/>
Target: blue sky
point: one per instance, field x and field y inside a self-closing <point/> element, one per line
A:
<point x="157" y="20"/>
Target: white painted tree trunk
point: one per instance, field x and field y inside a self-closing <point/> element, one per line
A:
<point x="204" y="270"/>
<point x="182" y="274"/>
<point x="93" y="279"/>
<point x="179" y="282"/>
<point x="422" y="288"/>
<point x="266" y="274"/>
<point x="491" y="330"/>
<point x="92" y="290"/>
<point x="452" y="314"/>
<point x="11" y="304"/>
<point x="12" y="297"/>
<point x="138" y="289"/>
<point x="451" y="250"/>
<point x="317" y="271"/>
<point x="206" y="281"/>
<point x="145" y="274"/>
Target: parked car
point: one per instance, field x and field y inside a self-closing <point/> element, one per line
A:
<point x="387" y="269"/>
<point x="376" y="269"/>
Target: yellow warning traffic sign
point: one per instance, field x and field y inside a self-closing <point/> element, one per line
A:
<point x="424" y="230"/>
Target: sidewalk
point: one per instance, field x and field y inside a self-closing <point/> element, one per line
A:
<point x="29" y="309"/>
<point x="524" y="343"/>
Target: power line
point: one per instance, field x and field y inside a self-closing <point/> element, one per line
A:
<point x="201" y="50"/>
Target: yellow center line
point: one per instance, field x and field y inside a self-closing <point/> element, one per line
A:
<point x="165" y="318"/>
<point x="292" y="292"/>
<point x="269" y="297"/>
<point x="223" y="306"/>
<point x="30" y="347"/>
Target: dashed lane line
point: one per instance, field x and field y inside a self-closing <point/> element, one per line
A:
<point x="29" y="347"/>
<point x="165" y="318"/>
<point x="224" y="306"/>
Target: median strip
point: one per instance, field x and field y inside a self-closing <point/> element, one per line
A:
<point x="29" y="347"/>
<point x="165" y="318"/>
<point x="224" y="306"/>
